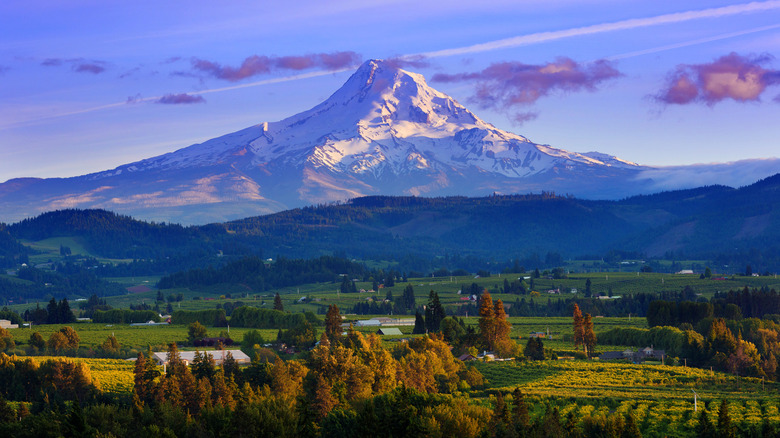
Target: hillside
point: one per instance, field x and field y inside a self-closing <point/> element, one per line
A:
<point x="707" y="222"/>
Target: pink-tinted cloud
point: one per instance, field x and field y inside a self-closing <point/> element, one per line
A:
<point x="506" y="85"/>
<point x="79" y="65"/>
<point x="521" y="118"/>
<point x="93" y="68"/>
<point x="736" y="77"/>
<point x="181" y="98"/>
<point x="256" y="65"/>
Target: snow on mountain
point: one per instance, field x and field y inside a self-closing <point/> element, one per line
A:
<point x="385" y="131"/>
<point x="383" y="119"/>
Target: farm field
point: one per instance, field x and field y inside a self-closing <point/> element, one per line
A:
<point x="113" y="376"/>
<point x="318" y="296"/>
<point x="659" y="397"/>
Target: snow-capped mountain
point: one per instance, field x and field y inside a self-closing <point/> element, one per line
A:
<point x="385" y="131"/>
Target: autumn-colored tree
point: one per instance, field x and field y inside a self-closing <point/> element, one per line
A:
<point x="487" y="321"/>
<point x="579" y="333"/>
<point x="502" y="326"/>
<point x="145" y="374"/>
<point x="278" y="305"/>
<point x="589" y="338"/>
<point x="175" y="366"/>
<point x="110" y="347"/>
<point x="203" y="366"/>
<point x="322" y="400"/>
<point x="333" y="323"/>
<point x="223" y="391"/>
<point x="230" y="368"/>
<point x="287" y="378"/>
<point x="57" y="342"/>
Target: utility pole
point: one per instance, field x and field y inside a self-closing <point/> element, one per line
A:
<point x="695" y="404"/>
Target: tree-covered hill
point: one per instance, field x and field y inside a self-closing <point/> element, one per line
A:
<point x="733" y="226"/>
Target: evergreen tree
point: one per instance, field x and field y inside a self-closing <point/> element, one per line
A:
<point x="725" y="427"/>
<point x="64" y="314"/>
<point x="704" y="428"/>
<point x="407" y="299"/>
<point x="203" y="366"/>
<point x="52" y="314"/>
<point x="434" y="313"/>
<point x="75" y="424"/>
<point x="588" y="292"/>
<point x="175" y="366"/>
<point x="520" y="416"/>
<point x="534" y="349"/>
<point x="419" y="324"/>
<point x="278" y="305"/>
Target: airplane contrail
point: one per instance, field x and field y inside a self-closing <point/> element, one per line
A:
<point x="634" y="23"/>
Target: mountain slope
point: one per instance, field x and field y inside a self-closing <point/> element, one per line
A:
<point x="385" y="131"/>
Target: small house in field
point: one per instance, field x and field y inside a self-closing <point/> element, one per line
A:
<point x="389" y="331"/>
<point x="6" y="324"/>
<point x="188" y="356"/>
<point x="466" y="357"/>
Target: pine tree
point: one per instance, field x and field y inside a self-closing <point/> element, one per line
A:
<point x="704" y="427"/>
<point x="407" y="299"/>
<point x="419" y="324"/>
<point x="278" y="305"/>
<point x="520" y="416"/>
<point x="434" y="313"/>
<point x="175" y="366"/>
<point x="75" y="424"/>
<point x="725" y="427"/>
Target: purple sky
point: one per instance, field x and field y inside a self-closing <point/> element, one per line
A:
<point x="89" y="85"/>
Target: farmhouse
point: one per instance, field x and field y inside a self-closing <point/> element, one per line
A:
<point x="188" y="356"/>
<point x="6" y="324"/>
